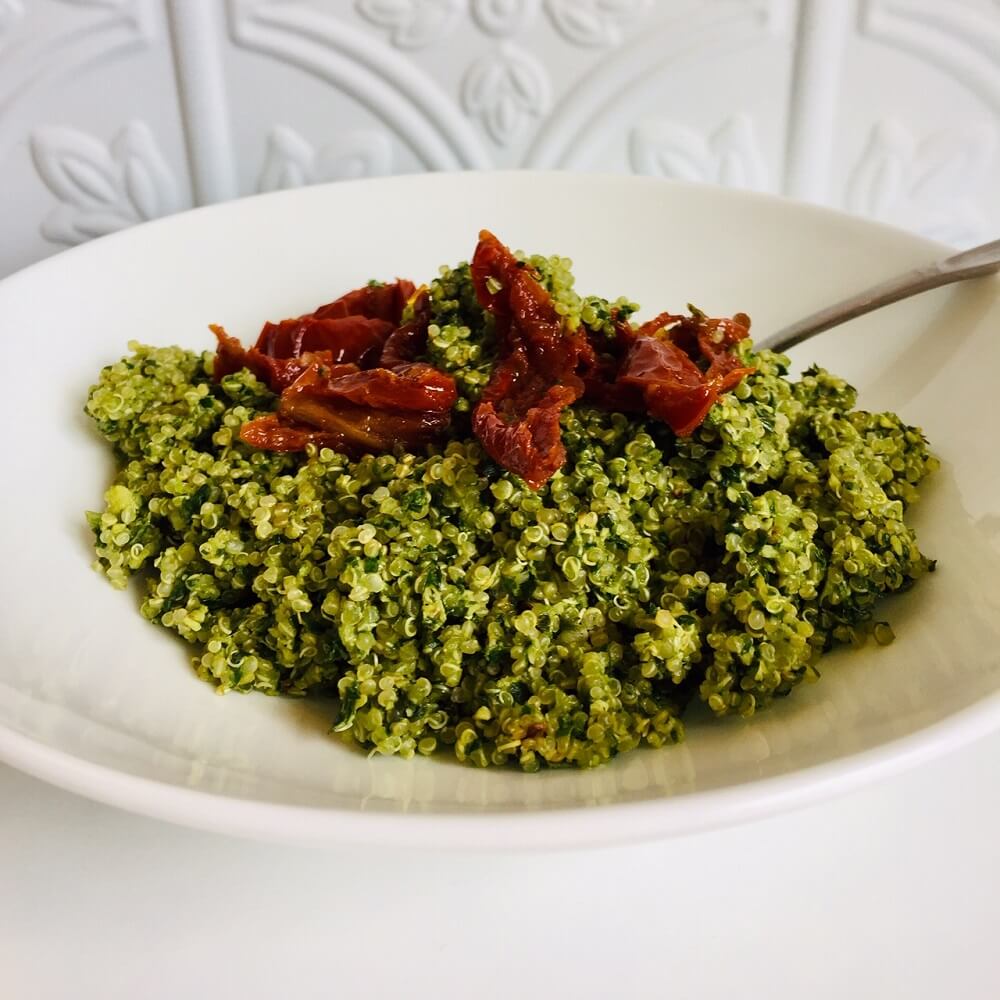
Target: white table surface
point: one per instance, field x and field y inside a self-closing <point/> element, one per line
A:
<point x="889" y="892"/>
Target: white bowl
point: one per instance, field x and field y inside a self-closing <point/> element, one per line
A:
<point x="95" y="699"/>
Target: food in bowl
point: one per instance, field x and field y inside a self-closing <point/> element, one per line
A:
<point x="495" y="516"/>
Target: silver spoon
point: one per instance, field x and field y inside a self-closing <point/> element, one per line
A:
<point x="972" y="263"/>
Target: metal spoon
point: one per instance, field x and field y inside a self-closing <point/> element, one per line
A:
<point x="972" y="263"/>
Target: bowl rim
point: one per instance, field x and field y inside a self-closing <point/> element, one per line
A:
<point x="181" y="218"/>
<point x="540" y="829"/>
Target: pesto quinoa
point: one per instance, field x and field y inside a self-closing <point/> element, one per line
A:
<point x="450" y="606"/>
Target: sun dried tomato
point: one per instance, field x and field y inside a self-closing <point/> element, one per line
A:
<point x="357" y="411"/>
<point x="276" y="373"/>
<point x="352" y="329"/>
<point x="700" y="337"/>
<point x="517" y="420"/>
<point x="525" y="314"/>
<point x="329" y="394"/>
<point x="349" y="377"/>
<point x="517" y="416"/>
<point x="356" y="430"/>
<point x="674" y="388"/>
<point x="408" y="341"/>
<point x="386" y="301"/>
<point x="271" y="433"/>
<point x="410" y="388"/>
<point x="373" y="410"/>
<point x="717" y="336"/>
<point x="231" y="356"/>
<point x="354" y="339"/>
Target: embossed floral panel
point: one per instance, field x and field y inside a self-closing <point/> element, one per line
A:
<point x="918" y="128"/>
<point x="91" y="138"/>
<point x="113" y="112"/>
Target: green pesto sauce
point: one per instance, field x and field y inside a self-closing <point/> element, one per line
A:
<point x="450" y="606"/>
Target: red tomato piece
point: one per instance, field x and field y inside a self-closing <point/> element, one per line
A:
<point x="373" y="301"/>
<point x="517" y="416"/>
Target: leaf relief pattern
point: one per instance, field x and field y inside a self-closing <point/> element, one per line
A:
<point x="594" y="23"/>
<point x="101" y="188"/>
<point x="503" y="17"/>
<point x="412" y="24"/>
<point x="292" y="162"/>
<point x="10" y="11"/>
<point x="929" y="184"/>
<point x="730" y="155"/>
<point x="505" y="89"/>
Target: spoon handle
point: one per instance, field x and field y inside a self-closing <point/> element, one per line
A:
<point x="972" y="263"/>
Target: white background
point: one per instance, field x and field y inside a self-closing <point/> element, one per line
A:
<point x="888" y="892"/>
<point x="115" y="111"/>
